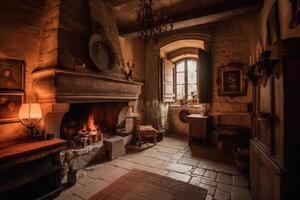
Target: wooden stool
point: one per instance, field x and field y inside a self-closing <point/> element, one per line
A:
<point x="146" y="132"/>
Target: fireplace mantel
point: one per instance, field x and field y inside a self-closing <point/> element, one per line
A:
<point x="65" y="86"/>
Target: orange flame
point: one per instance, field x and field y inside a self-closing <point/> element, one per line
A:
<point x="91" y="123"/>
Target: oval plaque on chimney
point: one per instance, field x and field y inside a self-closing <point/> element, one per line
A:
<point x="101" y="52"/>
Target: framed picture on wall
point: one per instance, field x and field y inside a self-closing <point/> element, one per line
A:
<point x="10" y="104"/>
<point x="273" y="27"/>
<point x="12" y="75"/>
<point x="295" y="4"/>
<point x="231" y="80"/>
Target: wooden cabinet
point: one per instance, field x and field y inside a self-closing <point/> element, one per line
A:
<point x="274" y="148"/>
<point x="30" y="169"/>
<point x="197" y="127"/>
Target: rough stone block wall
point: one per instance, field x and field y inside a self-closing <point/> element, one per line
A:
<point x="50" y="34"/>
<point x="232" y="42"/>
<point x="49" y="42"/>
<point x="21" y="31"/>
<point x="134" y="52"/>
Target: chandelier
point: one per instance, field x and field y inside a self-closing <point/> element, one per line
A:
<point x="152" y="25"/>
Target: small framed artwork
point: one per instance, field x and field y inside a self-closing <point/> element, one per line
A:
<point x="295" y="4"/>
<point x="10" y="104"/>
<point x="273" y="27"/>
<point x="231" y="80"/>
<point x="12" y="75"/>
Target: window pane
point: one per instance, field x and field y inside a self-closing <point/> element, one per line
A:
<point x="192" y="88"/>
<point x="180" y="92"/>
<point x="180" y="66"/>
<point x="180" y="78"/>
<point x="192" y="66"/>
<point x="192" y="77"/>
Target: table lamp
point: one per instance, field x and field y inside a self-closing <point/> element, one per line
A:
<point x="30" y="115"/>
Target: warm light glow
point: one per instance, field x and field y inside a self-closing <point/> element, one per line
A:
<point x="91" y="123"/>
<point x="30" y="111"/>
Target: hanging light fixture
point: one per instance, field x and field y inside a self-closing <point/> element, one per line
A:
<point x="152" y="25"/>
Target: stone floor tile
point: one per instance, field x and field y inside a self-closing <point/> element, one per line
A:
<point x="228" y="169"/>
<point x="209" y="197"/>
<point x="221" y="195"/>
<point x="224" y="178"/>
<point x="113" y="174"/>
<point x="209" y="182"/>
<point x="179" y="167"/>
<point x="179" y="176"/>
<point x="90" y="190"/>
<point x="224" y="187"/>
<point x="70" y="197"/>
<point x="159" y="156"/>
<point x="240" y="181"/>
<point x="164" y="165"/>
<point x="210" y="174"/>
<point x="188" y="154"/>
<point x="199" y="171"/>
<point x="75" y="187"/>
<point x="85" y="180"/>
<point x="195" y="181"/>
<point x="189" y="161"/>
<point x="240" y="194"/>
<point x="98" y="170"/>
<point x="206" y="164"/>
<point x="67" y="194"/>
<point x="178" y="155"/>
<point x="150" y="169"/>
<point x="167" y="150"/>
<point x="210" y="189"/>
<point x="172" y="158"/>
<point x="122" y="163"/>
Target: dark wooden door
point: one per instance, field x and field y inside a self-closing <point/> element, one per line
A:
<point x="265" y="114"/>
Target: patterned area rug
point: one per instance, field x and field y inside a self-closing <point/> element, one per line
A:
<point x="142" y="185"/>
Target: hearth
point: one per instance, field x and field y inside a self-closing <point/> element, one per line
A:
<point x="87" y="123"/>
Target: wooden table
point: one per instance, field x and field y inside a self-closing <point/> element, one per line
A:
<point x="197" y="127"/>
<point x="26" y="166"/>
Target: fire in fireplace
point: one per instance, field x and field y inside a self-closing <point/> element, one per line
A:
<point x="89" y="123"/>
<point x="89" y="133"/>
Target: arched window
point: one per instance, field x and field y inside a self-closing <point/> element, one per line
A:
<point x="186" y="79"/>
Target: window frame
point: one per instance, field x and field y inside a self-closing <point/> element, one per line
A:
<point x="185" y="60"/>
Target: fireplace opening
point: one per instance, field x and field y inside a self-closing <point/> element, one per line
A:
<point x="89" y="123"/>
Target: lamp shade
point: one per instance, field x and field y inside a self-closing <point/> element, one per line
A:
<point x="30" y="111"/>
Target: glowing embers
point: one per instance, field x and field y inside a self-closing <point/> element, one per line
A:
<point x="90" y="132"/>
<point x="80" y="136"/>
<point x="89" y="123"/>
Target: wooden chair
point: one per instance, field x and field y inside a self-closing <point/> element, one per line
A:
<point x="145" y="132"/>
<point x="233" y="130"/>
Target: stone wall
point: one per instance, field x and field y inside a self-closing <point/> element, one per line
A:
<point x="53" y="34"/>
<point x="228" y="41"/>
<point x="134" y="52"/>
<point x="21" y="31"/>
<point x="232" y="42"/>
<point x="70" y="23"/>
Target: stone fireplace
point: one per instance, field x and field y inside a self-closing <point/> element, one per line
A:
<point x="81" y="81"/>
<point x="81" y="63"/>
<point x="88" y="123"/>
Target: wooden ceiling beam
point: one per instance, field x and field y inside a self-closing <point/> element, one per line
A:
<point x="115" y="2"/>
<point x="222" y="13"/>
